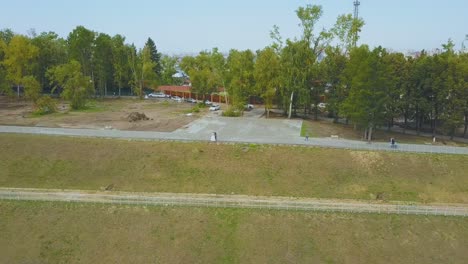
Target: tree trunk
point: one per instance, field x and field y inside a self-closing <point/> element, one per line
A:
<point x="466" y="125"/>
<point x="418" y="123"/>
<point x="369" y="136"/>
<point x="406" y="122"/>
<point x="290" y="106"/>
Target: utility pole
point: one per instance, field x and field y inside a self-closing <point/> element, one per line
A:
<point x="356" y="9"/>
<point x="357" y="3"/>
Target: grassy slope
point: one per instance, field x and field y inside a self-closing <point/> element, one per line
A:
<point x="71" y="233"/>
<point x="78" y="163"/>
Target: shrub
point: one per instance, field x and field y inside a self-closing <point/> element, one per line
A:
<point x="45" y="105"/>
<point x="232" y="112"/>
<point x="196" y="109"/>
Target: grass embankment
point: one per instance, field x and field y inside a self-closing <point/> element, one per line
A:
<point x="91" y="164"/>
<point x="82" y="233"/>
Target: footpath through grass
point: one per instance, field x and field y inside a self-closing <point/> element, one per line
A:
<point x="38" y="232"/>
<point x="92" y="164"/>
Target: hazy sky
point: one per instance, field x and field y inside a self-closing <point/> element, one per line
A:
<point x="191" y="26"/>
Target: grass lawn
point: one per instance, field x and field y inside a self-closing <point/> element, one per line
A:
<point x="37" y="232"/>
<point x="324" y="128"/>
<point x="93" y="164"/>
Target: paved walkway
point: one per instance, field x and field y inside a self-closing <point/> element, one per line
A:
<point x="231" y="130"/>
<point x="231" y="201"/>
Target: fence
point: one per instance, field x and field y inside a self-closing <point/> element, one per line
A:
<point x="233" y="201"/>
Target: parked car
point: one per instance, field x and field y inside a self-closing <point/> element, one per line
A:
<point x="322" y="105"/>
<point x="177" y="99"/>
<point x="215" y="108"/>
<point x="157" y="95"/>
<point x="208" y="102"/>
<point x="249" y="107"/>
<point x="191" y="100"/>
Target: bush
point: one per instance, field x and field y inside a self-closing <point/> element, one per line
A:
<point x="45" y="105"/>
<point x="232" y="112"/>
<point x="196" y="109"/>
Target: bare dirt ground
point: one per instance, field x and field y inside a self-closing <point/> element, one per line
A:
<point x="164" y="115"/>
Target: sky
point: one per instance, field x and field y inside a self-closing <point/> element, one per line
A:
<point x="185" y="26"/>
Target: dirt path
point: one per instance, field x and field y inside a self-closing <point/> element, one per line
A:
<point x="232" y="201"/>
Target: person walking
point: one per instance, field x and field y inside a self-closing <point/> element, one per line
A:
<point x="307" y="136"/>
<point x="392" y="143"/>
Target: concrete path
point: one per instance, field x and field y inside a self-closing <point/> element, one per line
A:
<point x="232" y="201"/>
<point x="238" y="130"/>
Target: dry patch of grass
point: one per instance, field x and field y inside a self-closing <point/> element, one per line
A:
<point x="36" y="232"/>
<point x="93" y="164"/>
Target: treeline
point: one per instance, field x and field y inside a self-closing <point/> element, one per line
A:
<point x="368" y="87"/>
<point x="86" y="63"/>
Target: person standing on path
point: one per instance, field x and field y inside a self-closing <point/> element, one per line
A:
<point x="307" y="136"/>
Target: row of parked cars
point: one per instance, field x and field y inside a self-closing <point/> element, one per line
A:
<point x="213" y="107"/>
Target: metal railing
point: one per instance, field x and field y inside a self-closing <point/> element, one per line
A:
<point x="273" y="203"/>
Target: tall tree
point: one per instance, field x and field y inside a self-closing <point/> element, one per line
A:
<point x="81" y="47"/>
<point x="103" y="61"/>
<point x="241" y="82"/>
<point x="19" y="57"/>
<point x="6" y="35"/>
<point x="155" y="56"/>
<point x="121" y="62"/>
<point x="333" y="66"/>
<point x="3" y="81"/>
<point x="206" y="71"/>
<point x="168" y="65"/>
<point x="52" y="52"/>
<point x="267" y="76"/>
<point x="367" y="99"/>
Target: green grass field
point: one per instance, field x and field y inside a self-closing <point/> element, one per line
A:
<point x="93" y="164"/>
<point x="37" y="232"/>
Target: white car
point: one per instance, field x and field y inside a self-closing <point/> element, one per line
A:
<point x="157" y="95"/>
<point x="215" y="108"/>
<point x="208" y="102"/>
<point x="177" y="99"/>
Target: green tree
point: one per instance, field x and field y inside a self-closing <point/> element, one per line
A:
<point x="52" y="52"/>
<point x="19" y="57"/>
<point x="75" y="86"/>
<point x="206" y="71"/>
<point x="142" y="68"/>
<point x="168" y="65"/>
<point x="103" y="61"/>
<point x="333" y="66"/>
<point x="6" y="35"/>
<point x="155" y="56"/>
<point x="346" y="30"/>
<point x="367" y="99"/>
<point x="240" y="78"/>
<point x="267" y="76"/>
<point x="3" y="81"/>
<point x="80" y="48"/>
<point x="121" y="62"/>
<point x="32" y="88"/>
